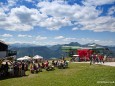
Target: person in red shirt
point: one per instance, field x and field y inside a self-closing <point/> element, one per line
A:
<point x="100" y="58"/>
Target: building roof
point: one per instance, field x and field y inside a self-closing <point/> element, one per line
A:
<point x="3" y="42"/>
<point x="77" y="47"/>
<point x="71" y="47"/>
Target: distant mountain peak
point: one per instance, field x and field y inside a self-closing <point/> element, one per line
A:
<point x="22" y="45"/>
<point x="47" y="51"/>
<point x="73" y="44"/>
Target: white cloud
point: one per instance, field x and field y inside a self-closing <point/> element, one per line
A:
<point x="70" y="12"/>
<point x="2" y="39"/>
<point x="98" y="2"/>
<point x="97" y="41"/>
<point x="85" y="40"/>
<point x="8" y="5"/>
<point x="12" y="2"/>
<point x="55" y="15"/>
<point x="21" y="19"/>
<point x="54" y="23"/>
<point x="111" y="11"/>
<point x="41" y="38"/>
<point x="2" y="15"/>
<point x="100" y="24"/>
<point x="59" y="37"/>
<point x="52" y="43"/>
<point x="69" y="39"/>
<point x="86" y="16"/>
<point x="21" y="42"/>
<point x="75" y="28"/>
<point x="104" y="42"/>
<point x="7" y="35"/>
<point x="21" y="35"/>
<point x="29" y="0"/>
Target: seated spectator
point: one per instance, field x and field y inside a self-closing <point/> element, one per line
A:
<point x="43" y="65"/>
<point x="50" y="67"/>
<point x="65" y="64"/>
<point x="35" y="68"/>
<point x="31" y="68"/>
<point x="53" y="62"/>
<point x="39" y="67"/>
<point x="46" y="63"/>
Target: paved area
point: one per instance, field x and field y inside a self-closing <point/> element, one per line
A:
<point x="109" y="64"/>
<point x="106" y="63"/>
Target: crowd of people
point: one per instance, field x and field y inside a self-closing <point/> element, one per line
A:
<point x="60" y="63"/>
<point x="36" y="67"/>
<point x="4" y="70"/>
<point x="15" y="69"/>
<point x="18" y="68"/>
<point x="93" y="58"/>
<point x="97" y="58"/>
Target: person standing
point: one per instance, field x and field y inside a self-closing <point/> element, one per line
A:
<point x="104" y="58"/>
<point x="6" y="69"/>
<point x="91" y="59"/>
<point x="23" y="69"/>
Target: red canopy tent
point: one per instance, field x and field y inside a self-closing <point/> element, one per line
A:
<point x="84" y="54"/>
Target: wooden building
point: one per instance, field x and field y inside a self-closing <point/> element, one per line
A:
<point x="4" y="52"/>
<point x="3" y="49"/>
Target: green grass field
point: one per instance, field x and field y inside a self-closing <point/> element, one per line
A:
<point x="78" y="74"/>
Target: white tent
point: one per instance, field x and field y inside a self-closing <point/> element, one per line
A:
<point x="37" y="57"/>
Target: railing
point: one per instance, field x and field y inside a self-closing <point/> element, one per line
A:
<point x="11" y="52"/>
<point x="110" y="59"/>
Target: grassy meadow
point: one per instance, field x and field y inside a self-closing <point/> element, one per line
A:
<point x="78" y="74"/>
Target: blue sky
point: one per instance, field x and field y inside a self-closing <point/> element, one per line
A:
<point x="50" y="22"/>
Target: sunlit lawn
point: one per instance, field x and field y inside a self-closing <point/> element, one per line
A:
<point x="78" y="74"/>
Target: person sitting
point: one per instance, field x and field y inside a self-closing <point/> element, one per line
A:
<point x="35" y="68"/>
<point x="53" y="62"/>
<point x="50" y="67"/>
<point x="65" y="64"/>
<point x="31" y="68"/>
<point x="60" y="64"/>
<point x="43" y="65"/>
<point x="39" y="67"/>
<point x="46" y="64"/>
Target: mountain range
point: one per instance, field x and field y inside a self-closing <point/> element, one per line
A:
<point x="47" y="51"/>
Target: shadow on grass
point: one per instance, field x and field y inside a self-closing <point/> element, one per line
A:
<point x="9" y="77"/>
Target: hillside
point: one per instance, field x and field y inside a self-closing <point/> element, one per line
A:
<point x="47" y="51"/>
<point x="38" y="50"/>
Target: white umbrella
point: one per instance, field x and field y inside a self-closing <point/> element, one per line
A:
<point x="9" y="62"/>
<point x="20" y="58"/>
<point x="27" y="57"/>
<point x="76" y="55"/>
<point x="37" y="57"/>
